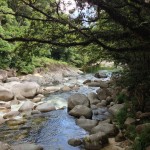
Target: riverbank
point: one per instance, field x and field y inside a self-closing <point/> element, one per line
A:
<point x="93" y="101"/>
<point x="21" y="99"/>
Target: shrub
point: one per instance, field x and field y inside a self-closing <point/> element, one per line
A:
<point x="142" y="140"/>
<point x="121" y="98"/>
<point x="121" y="117"/>
<point x="131" y="132"/>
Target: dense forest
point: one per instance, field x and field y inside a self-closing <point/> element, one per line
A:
<point x="36" y="32"/>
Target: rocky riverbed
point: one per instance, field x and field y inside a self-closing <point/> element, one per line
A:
<point x="30" y="105"/>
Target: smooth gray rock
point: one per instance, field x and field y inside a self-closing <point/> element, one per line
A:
<point x="129" y="121"/>
<point x="86" y="124"/>
<point x="45" y="107"/>
<point x="93" y="98"/>
<point x="107" y="128"/>
<point x="77" y="99"/>
<point x="81" y="110"/>
<point x="95" y="141"/>
<point x="26" y="106"/>
<point x="5" y="94"/>
<point x="74" y="142"/>
<point x="115" y="109"/>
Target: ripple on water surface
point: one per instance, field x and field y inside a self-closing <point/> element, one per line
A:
<point x="58" y="130"/>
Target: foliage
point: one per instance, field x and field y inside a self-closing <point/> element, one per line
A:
<point x="121" y="98"/>
<point x="142" y="140"/>
<point x="121" y="117"/>
<point x="131" y="132"/>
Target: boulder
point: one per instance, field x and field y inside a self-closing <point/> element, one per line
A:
<point x="129" y="121"/>
<point x="74" y="142"/>
<point x="109" y="99"/>
<point x="51" y="89"/>
<point x="26" y="106"/>
<point x="103" y="93"/>
<point x="107" y="128"/>
<point x="5" y="94"/>
<point x="100" y="75"/>
<point x="27" y="146"/>
<point x="66" y="88"/>
<point x="93" y="84"/>
<point x="103" y="84"/>
<point x="95" y="141"/>
<point x="103" y="103"/>
<point x="3" y="75"/>
<point x="25" y="90"/>
<point x="45" y="107"/>
<point x="100" y="114"/>
<point x="11" y="114"/>
<point x="5" y="146"/>
<point x="141" y="127"/>
<point x="120" y="137"/>
<point x="86" y="81"/>
<point x="77" y="99"/>
<point x="86" y="124"/>
<point x="81" y="110"/>
<point x="36" y="99"/>
<point x="93" y="98"/>
<point x="115" y="109"/>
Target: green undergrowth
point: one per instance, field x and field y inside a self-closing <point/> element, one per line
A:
<point x="41" y="62"/>
<point x="142" y="140"/>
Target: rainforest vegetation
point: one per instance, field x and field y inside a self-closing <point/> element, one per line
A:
<point x="36" y="32"/>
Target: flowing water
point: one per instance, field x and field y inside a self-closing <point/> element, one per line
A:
<point x="60" y="127"/>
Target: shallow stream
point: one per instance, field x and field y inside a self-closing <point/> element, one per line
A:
<point x="60" y="127"/>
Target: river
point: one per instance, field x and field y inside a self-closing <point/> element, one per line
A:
<point x="60" y="127"/>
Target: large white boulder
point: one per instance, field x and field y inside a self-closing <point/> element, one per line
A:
<point x="25" y="90"/>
